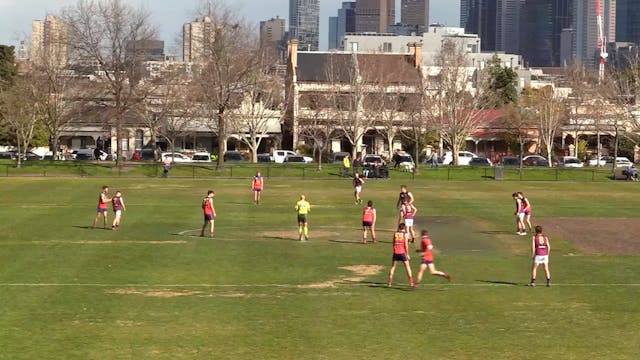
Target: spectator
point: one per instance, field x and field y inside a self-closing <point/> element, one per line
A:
<point x="136" y="156"/>
<point x="357" y="164"/>
<point x="166" y="164"/>
<point x="395" y="159"/>
<point x="631" y="172"/>
<point x="434" y="159"/>
<point x="346" y="165"/>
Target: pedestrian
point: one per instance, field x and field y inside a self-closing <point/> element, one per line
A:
<point x="540" y="250"/>
<point x="369" y="222"/>
<point x="407" y="213"/>
<point x="519" y="214"/>
<point x="302" y="208"/>
<point x="526" y="213"/>
<point x="434" y="160"/>
<point x="209" y="214"/>
<point x="117" y="202"/>
<point x="103" y="200"/>
<point x="400" y="253"/>
<point x="358" y="181"/>
<point x="357" y="164"/>
<point x="426" y="248"/>
<point x="346" y="165"/>
<point x="257" y="185"/>
<point x="166" y="165"/>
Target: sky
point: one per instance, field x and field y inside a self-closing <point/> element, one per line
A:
<point x="169" y="15"/>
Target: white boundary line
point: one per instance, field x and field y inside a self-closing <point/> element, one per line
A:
<point x="305" y="286"/>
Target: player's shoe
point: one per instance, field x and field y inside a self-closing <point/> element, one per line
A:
<point x="548" y="283"/>
<point x="532" y="284"/>
<point x="447" y="276"/>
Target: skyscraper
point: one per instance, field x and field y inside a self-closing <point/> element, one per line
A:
<point x="49" y="41"/>
<point x="415" y="13"/>
<point x="543" y="23"/>
<point x="480" y="17"/>
<point x="304" y="23"/>
<point x="344" y="23"/>
<point x="586" y="27"/>
<point x="375" y="15"/>
<point x="628" y="21"/>
<point x="273" y="36"/>
<point x="195" y="36"/>
<point x="508" y="25"/>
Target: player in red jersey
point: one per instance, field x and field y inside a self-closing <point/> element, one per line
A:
<point x="369" y="222"/>
<point x="118" y="207"/>
<point x="540" y="249"/>
<point x="257" y="184"/>
<point x="103" y="201"/>
<point x="407" y="213"/>
<point x="400" y="253"/>
<point x="209" y="213"/>
<point x="427" y="259"/>
<point x="519" y="218"/>
<point x="525" y="211"/>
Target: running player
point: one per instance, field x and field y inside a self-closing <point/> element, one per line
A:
<point x="369" y="222"/>
<point x="404" y="195"/>
<point x="209" y="213"/>
<point x="302" y="208"/>
<point x="540" y="249"/>
<point x="358" y="181"/>
<point x="400" y="253"/>
<point x="257" y="185"/>
<point x="407" y="214"/>
<point x="526" y="212"/>
<point x="519" y="222"/>
<point x="427" y="258"/>
<point x="118" y="207"/>
<point x="103" y="200"/>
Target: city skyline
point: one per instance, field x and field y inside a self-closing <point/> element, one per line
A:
<point x="16" y="16"/>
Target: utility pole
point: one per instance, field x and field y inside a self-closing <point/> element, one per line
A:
<point x="602" y="43"/>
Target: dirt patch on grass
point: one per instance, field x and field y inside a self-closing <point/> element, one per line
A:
<point x="160" y="293"/>
<point x="360" y="273"/>
<point x="293" y="235"/>
<point x="616" y="236"/>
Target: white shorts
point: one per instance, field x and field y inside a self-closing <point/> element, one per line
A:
<point x="358" y="189"/>
<point x="408" y="222"/>
<point x="541" y="259"/>
<point x="521" y="215"/>
<point x="118" y="212"/>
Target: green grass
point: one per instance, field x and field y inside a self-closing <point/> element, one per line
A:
<point x="68" y="292"/>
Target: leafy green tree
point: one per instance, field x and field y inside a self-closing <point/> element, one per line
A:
<point x="7" y="65"/>
<point x="502" y="84"/>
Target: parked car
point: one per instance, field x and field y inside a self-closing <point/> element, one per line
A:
<point x="464" y="157"/>
<point x="146" y="154"/>
<point x="201" y="157"/>
<point x="622" y="162"/>
<point x="535" y="160"/>
<point x="371" y="159"/>
<point x="594" y="161"/>
<point x="233" y="156"/>
<point x="176" y="157"/>
<point x="279" y="156"/>
<point x="510" y="161"/>
<point x="480" y="161"/>
<point x="405" y="161"/>
<point x="7" y="155"/>
<point x="264" y="158"/>
<point x="571" y="161"/>
<point x="295" y="159"/>
<point x="338" y="156"/>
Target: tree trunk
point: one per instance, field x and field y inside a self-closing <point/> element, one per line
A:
<point x="19" y="154"/>
<point x="222" y="147"/>
<point x="118" y="143"/>
<point x="416" y="158"/>
<point x="154" y="146"/>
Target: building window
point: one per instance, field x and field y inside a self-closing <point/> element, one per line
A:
<point x="124" y="141"/>
<point x="354" y="47"/>
<point x="386" y="47"/>
<point x="139" y="139"/>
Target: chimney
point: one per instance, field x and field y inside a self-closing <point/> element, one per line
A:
<point x="417" y="55"/>
<point x="412" y="49"/>
<point x="293" y="53"/>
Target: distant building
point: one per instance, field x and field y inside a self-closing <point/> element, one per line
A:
<point x="304" y="23"/>
<point x="195" y="36"/>
<point x="415" y="13"/>
<point x="628" y="21"/>
<point x="375" y="15"/>
<point x="543" y="23"/>
<point x="146" y="50"/>
<point x="497" y="23"/>
<point x="273" y="36"/>
<point x="620" y="54"/>
<point x="344" y="23"/>
<point x="49" y="41"/>
<point x="405" y="29"/>
<point x="586" y="27"/>
<point x="333" y="32"/>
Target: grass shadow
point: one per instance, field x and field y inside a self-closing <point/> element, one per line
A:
<point x="498" y="282"/>
<point x="92" y="228"/>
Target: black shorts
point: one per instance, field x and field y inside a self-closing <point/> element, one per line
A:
<point x="400" y="257"/>
<point x="302" y="218"/>
<point x="367" y="224"/>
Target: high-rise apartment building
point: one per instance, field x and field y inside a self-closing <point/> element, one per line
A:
<point x="273" y="36"/>
<point x="195" y="37"/>
<point x="344" y="23"/>
<point x="304" y="23"/>
<point x="375" y="15"/>
<point x="49" y="40"/>
<point x="628" y="21"/>
<point x="586" y="29"/>
<point x="415" y="13"/>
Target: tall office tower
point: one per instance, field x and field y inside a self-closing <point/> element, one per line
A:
<point x="628" y="21"/>
<point x="273" y="36"/>
<point x="508" y="26"/>
<point x="375" y="15"/>
<point x="304" y="23"/>
<point x="344" y="23"/>
<point x="49" y="41"/>
<point x="586" y="27"/>
<point x="480" y="17"/>
<point x="195" y="37"/>
<point x="542" y="25"/>
<point x="415" y="13"/>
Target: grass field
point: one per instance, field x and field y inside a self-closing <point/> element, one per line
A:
<point x="154" y="290"/>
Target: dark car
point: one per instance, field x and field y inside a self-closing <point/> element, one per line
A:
<point x="7" y="155"/>
<point x="510" y="161"/>
<point x="338" y="156"/>
<point x="534" y="160"/>
<point x="373" y="159"/>
<point x="480" y="161"/>
<point x="233" y="156"/>
<point x="264" y="158"/>
<point x="294" y="159"/>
